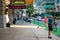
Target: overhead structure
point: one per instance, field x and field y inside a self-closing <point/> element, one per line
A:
<point x="29" y="2"/>
<point x="20" y="4"/>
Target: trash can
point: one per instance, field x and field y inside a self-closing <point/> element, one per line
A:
<point x="8" y="24"/>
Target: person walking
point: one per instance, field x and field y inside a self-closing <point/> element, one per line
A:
<point x="45" y="21"/>
<point x="50" y="20"/>
<point x="7" y="20"/>
<point x="14" y="20"/>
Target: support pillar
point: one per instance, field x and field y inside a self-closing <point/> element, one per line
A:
<point x="2" y="12"/>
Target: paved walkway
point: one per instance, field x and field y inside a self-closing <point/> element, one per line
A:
<point x="25" y="32"/>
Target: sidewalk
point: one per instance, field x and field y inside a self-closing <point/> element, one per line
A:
<point x="22" y="32"/>
<point x="46" y="28"/>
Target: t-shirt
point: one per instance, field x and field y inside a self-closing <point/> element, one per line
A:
<point x="45" y="20"/>
<point x="50" y="20"/>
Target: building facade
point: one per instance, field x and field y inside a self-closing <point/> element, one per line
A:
<point x="49" y="5"/>
<point x="57" y="4"/>
<point x="45" y="6"/>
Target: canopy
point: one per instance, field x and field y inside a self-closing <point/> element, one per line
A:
<point x="29" y="2"/>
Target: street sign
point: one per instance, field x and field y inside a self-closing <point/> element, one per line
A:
<point x="17" y="7"/>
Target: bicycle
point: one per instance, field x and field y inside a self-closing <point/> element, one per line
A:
<point x="55" y="27"/>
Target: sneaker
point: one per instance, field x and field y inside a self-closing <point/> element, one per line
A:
<point x="50" y="37"/>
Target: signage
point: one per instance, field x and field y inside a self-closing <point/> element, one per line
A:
<point x="17" y="7"/>
<point x="19" y="2"/>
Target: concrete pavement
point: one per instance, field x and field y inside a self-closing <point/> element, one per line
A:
<point x="25" y="32"/>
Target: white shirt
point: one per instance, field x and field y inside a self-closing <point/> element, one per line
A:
<point x="7" y="18"/>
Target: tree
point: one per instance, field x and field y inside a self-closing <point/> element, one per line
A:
<point x="55" y="14"/>
<point x="30" y="10"/>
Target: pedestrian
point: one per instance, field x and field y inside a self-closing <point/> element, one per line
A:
<point x="7" y="20"/>
<point x="50" y="20"/>
<point x="45" y="20"/>
<point x="14" y="20"/>
<point x="39" y="18"/>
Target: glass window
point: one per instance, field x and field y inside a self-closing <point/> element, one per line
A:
<point x="49" y="3"/>
<point x="57" y="1"/>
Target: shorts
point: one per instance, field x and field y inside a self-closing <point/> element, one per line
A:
<point x="50" y="27"/>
